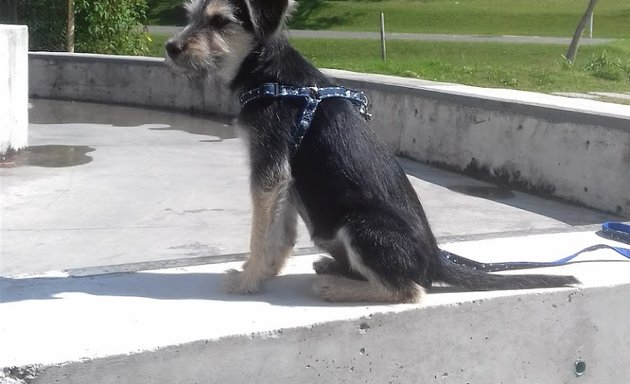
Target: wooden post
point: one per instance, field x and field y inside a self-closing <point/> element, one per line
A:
<point x="383" y="48"/>
<point x="70" y="29"/>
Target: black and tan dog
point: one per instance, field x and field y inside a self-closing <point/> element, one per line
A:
<point x="342" y="180"/>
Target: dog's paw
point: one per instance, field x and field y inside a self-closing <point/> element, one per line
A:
<point x="324" y="287"/>
<point x="241" y="282"/>
<point x="325" y="266"/>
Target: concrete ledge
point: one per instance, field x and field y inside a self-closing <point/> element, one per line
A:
<point x="576" y="150"/>
<point x="146" y="211"/>
<point x="13" y="88"/>
<point x="140" y="81"/>
<point x="176" y="326"/>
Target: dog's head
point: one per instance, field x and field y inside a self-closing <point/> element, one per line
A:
<point x="221" y="33"/>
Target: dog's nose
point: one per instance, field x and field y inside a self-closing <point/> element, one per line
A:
<point x="174" y="48"/>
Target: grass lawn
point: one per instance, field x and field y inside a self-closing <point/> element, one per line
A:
<point x="518" y="66"/>
<point x="488" y="17"/>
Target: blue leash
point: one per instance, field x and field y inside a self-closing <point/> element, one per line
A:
<point x="616" y="231"/>
<point x="312" y="96"/>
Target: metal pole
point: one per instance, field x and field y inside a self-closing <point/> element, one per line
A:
<point x="590" y="27"/>
<point x="383" y="48"/>
<point x="70" y="30"/>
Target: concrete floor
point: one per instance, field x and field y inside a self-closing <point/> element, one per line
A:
<point x="115" y="189"/>
<point x="106" y="185"/>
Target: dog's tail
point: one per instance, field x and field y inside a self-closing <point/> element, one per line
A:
<point x="452" y="273"/>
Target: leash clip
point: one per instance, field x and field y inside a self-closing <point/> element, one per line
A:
<point x="364" y="111"/>
<point x="314" y="92"/>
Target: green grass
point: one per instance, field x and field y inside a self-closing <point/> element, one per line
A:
<point x="518" y="66"/>
<point x="156" y="46"/>
<point x="487" y="17"/>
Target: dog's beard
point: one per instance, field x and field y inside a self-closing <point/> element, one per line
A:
<point x="193" y="68"/>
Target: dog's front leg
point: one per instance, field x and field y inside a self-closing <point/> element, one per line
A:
<point x="272" y="237"/>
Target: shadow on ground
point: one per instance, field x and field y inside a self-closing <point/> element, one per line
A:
<point x="285" y="290"/>
<point x="45" y="111"/>
<point x="544" y="205"/>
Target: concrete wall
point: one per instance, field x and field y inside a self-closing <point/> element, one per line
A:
<point x="130" y="80"/>
<point x="483" y="341"/>
<point x="578" y="150"/>
<point x="13" y="87"/>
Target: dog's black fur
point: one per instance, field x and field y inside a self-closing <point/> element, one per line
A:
<point x="344" y="182"/>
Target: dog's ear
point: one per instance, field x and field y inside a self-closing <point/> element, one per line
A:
<point x="269" y="15"/>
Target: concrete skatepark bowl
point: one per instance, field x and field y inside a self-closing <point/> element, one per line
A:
<point x="118" y="222"/>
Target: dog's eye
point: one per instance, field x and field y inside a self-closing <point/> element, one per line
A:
<point x="218" y="22"/>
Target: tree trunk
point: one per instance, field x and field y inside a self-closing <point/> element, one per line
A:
<point x="575" y="42"/>
<point x="70" y="27"/>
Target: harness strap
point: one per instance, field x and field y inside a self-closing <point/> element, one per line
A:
<point x="312" y="96"/>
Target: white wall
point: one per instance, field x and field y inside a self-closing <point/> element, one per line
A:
<point x="13" y="87"/>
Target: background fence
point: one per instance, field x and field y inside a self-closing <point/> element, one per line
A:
<point x="47" y="21"/>
<point x="102" y="26"/>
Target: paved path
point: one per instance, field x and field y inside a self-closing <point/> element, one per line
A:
<point x="419" y="36"/>
<point x="611" y="97"/>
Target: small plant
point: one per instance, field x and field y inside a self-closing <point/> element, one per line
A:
<point x="566" y="63"/>
<point x="608" y="67"/>
<point x="509" y="82"/>
<point x="410" y="73"/>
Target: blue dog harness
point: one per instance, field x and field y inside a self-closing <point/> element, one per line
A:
<point x="312" y="96"/>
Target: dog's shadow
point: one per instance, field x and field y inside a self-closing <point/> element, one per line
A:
<point x="284" y="290"/>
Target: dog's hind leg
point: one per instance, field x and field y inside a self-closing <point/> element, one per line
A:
<point x="338" y="264"/>
<point x="376" y="287"/>
<point x="336" y="288"/>
<point x="272" y="239"/>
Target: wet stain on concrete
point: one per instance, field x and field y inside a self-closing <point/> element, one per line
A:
<point x="508" y="176"/>
<point x="196" y="249"/>
<point x="65" y="112"/>
<point x="221" y="131"/>
<point x="491" y="192"/>
<point x="49" y="156"/>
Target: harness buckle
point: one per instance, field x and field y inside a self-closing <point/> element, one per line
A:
<point x="314" y="92"/>
<point x="364" y="111"/>
<point x="275" y="90"/>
